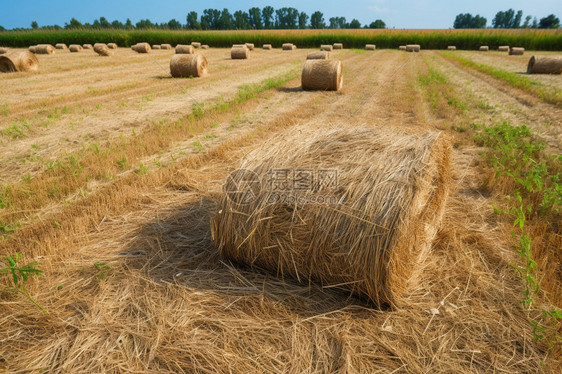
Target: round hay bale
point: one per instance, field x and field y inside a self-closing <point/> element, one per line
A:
<point x="111" y="45"/>
<point x="320" y="55"/>
<point x="3" y="50"/>
<point x="250" y="46"/>
<point x="156" y="46"/>
<point x="141" y="48"/>
<point x="239" y="46"/>
<point x="88" y="46"/>
<point x="402" y="48"/>
<point x="413" y="47"/>
<point x="370" y="47"/>
<point x="267" y="46"/>
<point x="239" y="53"/>
<point x="75" y="48"/>
<point x="204" y="46"/>
<point x="185" y="49"/>
<point x="338" y="45"/>
<point x="165" y="46"/>
<point x="516" y="51"/>
<point x="323" y="75"/>
<point x="287" y="46"/>
<point x="503" y="48"/>
<point x="368" y="229"/>
<point x="483" y="48"/>
<point x="326" y="47"/>
<point x="545" y="65"/>
<point x="32" y="48"/>
<point x="185" y="66"/>
<point x="61" y="46"/>
<point x="102" y="49"/>
<point x="44" y="49"/>
<point x="196" y="44"/>
<point x="18" y="61"/>
<point x="451" y="48"/>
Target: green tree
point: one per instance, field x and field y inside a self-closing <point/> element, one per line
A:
<point x="468" y="21"/>
<point x="527" y="22"/>
<point x="241" y="20"/>
<point x="117" y="25"/>
<point x="549" y="22"/>
<point x="317" y="20"/>
<point x="104" y="23"/>
<point x="303" y="20"/>
<point x="508" y="19"/>
<point x="354" y="24"/>
<point x="2" y="28"/>
<point x="255" y="19"/>
<point x="378" y="24"/>
<point x="337" y="23"/>
<point x="129" y="24"/>
<point x="72" y="24"/>
<point x="192" y="23"/>
<point x="142" y="24"/>
<point x="226" y="21"/>
<point x="286" y="18"/>
<point x="34" y="25"/>
<point x="174" y="24"/>
<point x="267" y="16"/>
<point x="210" y="19"/>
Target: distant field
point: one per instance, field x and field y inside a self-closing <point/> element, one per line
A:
<point x="429" y="39"/>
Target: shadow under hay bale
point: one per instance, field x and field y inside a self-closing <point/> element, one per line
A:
<point x="367" y="232"/>
<point x="185" y="66"/>
<point x="239" y="53"/>
<point x="75" y="48"/>
<point x="102" y="49"/>
<point x="320" y="55"/>
<point x="18" y="62"/>
<point x="544" y="65"/>
<point x="516" y="51"/>
<point x="184" y="49"/>
<point x="322" y="75"/>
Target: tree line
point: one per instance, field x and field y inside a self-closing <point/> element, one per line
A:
<point x="509" y="19"/>
<point x="215" y="19"/>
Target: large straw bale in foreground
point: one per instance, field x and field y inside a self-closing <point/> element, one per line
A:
<point x="44" y="49"/>
<point x="185" y="66"/>
<point x="75" y="48"/>
<point x="368" y="232"/>
<point x="413" y="47"/>
<point x="185" y="49"/>
<point x="18" y="61"/>
<point x="239" y="53"/>
<point x="320" y="55"/>
<point x="102" y="49"/>
<point x="324" y="75"/>
<point x="544" y="65"/>
<point x="517" y="51"/>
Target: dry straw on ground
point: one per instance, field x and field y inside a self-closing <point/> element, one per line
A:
<point x="338" y="45"/>
<point x="111" y="45"/>
<point x="288" y="46"/>
<point x="239" y="53"/>
<point x="267" y="46"/>
<point x="250" y="46"/>
<point x="185" y="66"/>
<point x="451" y="48"/>
<point x="61" y="46"/>
<point x="322" y="75"/>
<point x="320" y="55"/>
<point x="18" y="62"/>
<point x="141" y="48"/>
<point x="483" y="48"/>
<point x="544" y="65"/>
<point x="44" y="49"/>
<point x="184" y="49"/>
<point x="413" y="48"/>
<point x="517" y="51"/>
<point x="196" y="44"/>
<point x="370" y="239"/>
<point x="503" y="48"/>
<point x="75" y="48"/>
<point x="370" y="47"/>
<point x="102" y="49"/>
<point x="88" y="46"/>
<point x="166" y="46"/>
<point x="326" y="47"/>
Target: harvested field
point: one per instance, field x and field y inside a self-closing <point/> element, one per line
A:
<point x="111" y="183"/>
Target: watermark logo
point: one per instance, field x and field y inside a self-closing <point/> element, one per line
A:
<point x="242" y="186"/>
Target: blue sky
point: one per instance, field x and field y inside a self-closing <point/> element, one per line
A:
<point x="396" y="13"/>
